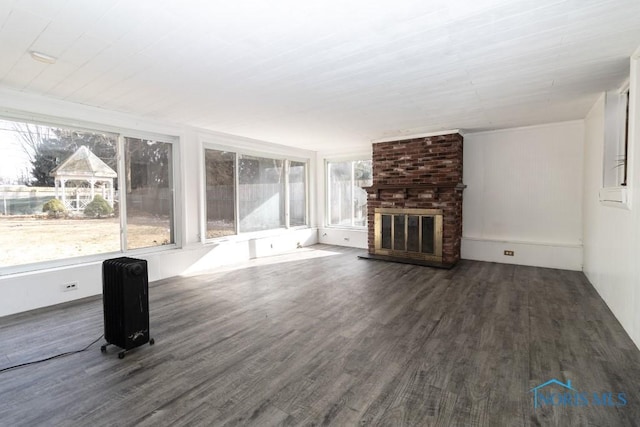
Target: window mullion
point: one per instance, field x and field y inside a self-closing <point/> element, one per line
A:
<point x="287" y="198"/>
<point x="307" y="193"/>
<point x="236" y="195"/>
<point x="353" y="195"/>
<point x="122" y="193"/>
<point x="328" y="199"/>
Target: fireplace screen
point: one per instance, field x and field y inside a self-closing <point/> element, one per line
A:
<point x="409" y="233"/>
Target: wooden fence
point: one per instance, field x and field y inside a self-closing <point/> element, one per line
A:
<point x="261" y="202"/>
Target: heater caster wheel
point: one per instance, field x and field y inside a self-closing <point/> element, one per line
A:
<point x="121" y="355"/>
<point x="103" y="349"/>
<point x="152" y="341"/>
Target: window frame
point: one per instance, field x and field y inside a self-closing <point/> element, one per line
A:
<point x="285" y="190"/>
<point x="327" y="193"/>
<point x="120" y="133"/>
<point x="175" y="190"/>
<point x="307" y="190"/>
<point x="202" y="234"/>
<point x="617" y="144"/>
<point x="239" y="152"/>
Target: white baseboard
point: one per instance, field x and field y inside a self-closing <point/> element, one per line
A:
<point x="551" y="255"/>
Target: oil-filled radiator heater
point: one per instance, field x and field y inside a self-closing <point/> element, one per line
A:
<point x="125" y="295"/>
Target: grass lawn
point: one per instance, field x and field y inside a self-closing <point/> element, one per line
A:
<point x="25" y="240"/>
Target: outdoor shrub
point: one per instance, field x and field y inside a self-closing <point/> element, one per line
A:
<point x="54" y="207"/>
<point x="98" y="207"/>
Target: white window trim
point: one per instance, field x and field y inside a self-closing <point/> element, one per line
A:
<point x="616" y="197"/>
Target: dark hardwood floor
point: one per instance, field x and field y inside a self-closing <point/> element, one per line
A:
<point x="319" y="337"/>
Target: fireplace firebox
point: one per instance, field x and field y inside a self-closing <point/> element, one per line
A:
<point x="408" y="233"/>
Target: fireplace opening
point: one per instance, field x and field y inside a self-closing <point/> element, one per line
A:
<point x="408" y="233"/>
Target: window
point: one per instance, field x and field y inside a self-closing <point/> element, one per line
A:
<point x="148" y="167"/>
<point x="347" y="200"/>
<point x="61" y="197"/>
<point x="263" y="193"/>
<point x="297" y="194"/>
<point x="616" y="138"/>
<point x="614" y="191"/>
<point x="220" y="169"/>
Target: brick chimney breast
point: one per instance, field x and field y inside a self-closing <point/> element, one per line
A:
<point x="420" y="173"/>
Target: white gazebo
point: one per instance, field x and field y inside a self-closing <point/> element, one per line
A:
<point x="83" y="166"/>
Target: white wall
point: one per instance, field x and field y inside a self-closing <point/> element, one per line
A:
<point x="524" y="193"/>
<point x="612" y="234"/>
<point x="39" y="288"/>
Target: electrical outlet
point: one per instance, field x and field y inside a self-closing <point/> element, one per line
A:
<point x="71" y="286"/>
<point x="508" y="253"/>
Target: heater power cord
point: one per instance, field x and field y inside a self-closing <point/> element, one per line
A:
<point x="67" y="353"/>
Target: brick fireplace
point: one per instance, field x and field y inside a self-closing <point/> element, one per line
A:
<point x="415" y="203"/>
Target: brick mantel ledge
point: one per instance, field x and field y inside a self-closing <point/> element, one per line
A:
<point x="376" y="188"/>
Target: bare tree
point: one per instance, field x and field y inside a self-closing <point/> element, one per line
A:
<point x="24" y="178"/>
<point x="31" y="137"/>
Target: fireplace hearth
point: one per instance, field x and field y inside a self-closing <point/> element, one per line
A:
<point x="415" y="202"/>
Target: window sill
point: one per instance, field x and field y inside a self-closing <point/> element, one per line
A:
<point x="361" y="228"/>
<point x="253" y="235"/>
<point x="617" y="197"/>
<point x="73" y="262"/>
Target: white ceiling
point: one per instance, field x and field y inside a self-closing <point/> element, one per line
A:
<point x="326" y="74"/>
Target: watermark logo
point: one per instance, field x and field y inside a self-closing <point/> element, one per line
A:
<point x="557" y="393"/>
